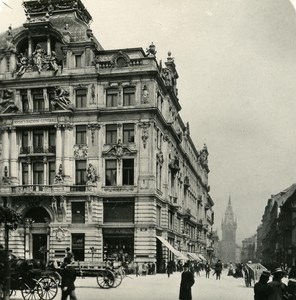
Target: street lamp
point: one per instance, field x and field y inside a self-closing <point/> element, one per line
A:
<point x="27" y="225"/>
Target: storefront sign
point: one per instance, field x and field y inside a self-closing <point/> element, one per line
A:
<point x="35" y="121"/>
<point x="118" y="231"/>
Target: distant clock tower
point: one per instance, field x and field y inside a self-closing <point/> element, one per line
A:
<point x="228" y="242"/>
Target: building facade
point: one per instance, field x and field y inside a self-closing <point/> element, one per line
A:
<point x="228" y="247"/>
<point x="276" y="234"/>
<point x="249" y="248"/>
<point x="94" y="153"/>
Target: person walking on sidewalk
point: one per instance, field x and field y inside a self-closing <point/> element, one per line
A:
<point x="261" y="287"/>
<point x="68" y="277"/>
<point x="187" y="281"/>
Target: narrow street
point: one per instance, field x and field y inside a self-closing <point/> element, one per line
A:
<point x="160" y="287"/>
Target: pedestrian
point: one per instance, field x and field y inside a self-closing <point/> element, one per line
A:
<point x="291" y="289"/>
<point x="208" y="270"/>
<point x="144" y="269"/>
<point x="277" y="290"/>
<point x="68" y="274"/>
<point x="230" y="269"/>
<point x="261" y="287"/>
<point x="137" y="269"/>
<point x="69" y="254"/>
<point x="187" y="281"/>
<point x="218" y="269"/>
<point x="169" y="268"/>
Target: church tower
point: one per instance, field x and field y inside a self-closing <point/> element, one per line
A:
<point x="228" y="242"/>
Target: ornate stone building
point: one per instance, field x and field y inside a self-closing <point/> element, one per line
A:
<point x="228" y="245"/>
<point x="94" y="153"/>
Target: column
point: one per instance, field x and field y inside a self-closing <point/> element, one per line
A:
<point x="68" y="150"/>
<point x="13" y="156"/>
<point x="45" y="173"/>
<point x="30" y="175"/>
<point x="58" y="146"/>
<point x="48" y="45"/>
<point x="30" y="46"/>
<point x="5" y="147"/>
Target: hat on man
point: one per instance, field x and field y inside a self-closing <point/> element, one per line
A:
<point x="265" y="273"/>
<point x="278" y="270"/>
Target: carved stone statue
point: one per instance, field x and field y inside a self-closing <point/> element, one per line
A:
<point x="61" y="98"/>
<point x="145" y="95"/>
<point x="91" y="174"/>
<point x="52" y="60"/>
<point x="151" y="52"/>
<point x="22" y="65"/>
<point x="8" y="100"/>
<point x="38" y="55"/>
<point x="59" y="178"/>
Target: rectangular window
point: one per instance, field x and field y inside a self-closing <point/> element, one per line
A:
<point x="81" y="134"/>
<point x="78" y="241"/>
<point x="25" y="102"/>
<point x="110" y="172"/>
<point x="128" y="133"/>
<point x="25" y="138"/>
<point x="38" y="173"/>
<point x="111" y="97"/>
<point x="119" y="210"/>
<point x="158" y="215"/>
<point x="127" y="172"/>
<point x="78" y="61"/>
<point x="78" y="212"/>
<point x="25" y="174"/>
<point x="128" y="96"/>
<point x="38" y="141"/>
<point x="80" y="172"/>
<point x="51" y="140"/>
<point x="111" y="134"/>
<point x="81" y="98"/>
<point x="171" y="220"/>
<point x="51" y="172"/>
<point x="38" y="100"/>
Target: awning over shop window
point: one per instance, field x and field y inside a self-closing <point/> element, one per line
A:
<point x="202" y="257"/>
<point x="171" y="248"/>
<point x="193" y="256"/>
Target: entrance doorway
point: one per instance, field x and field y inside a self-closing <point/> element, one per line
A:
<point x="160" y="263"/>
<point x="40" y="247"/>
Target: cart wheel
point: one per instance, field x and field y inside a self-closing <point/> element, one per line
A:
<point x="105" y="279"/>
<point x="32" y="292"/>
<point x="57" y="278"/>
<point x="49" y="288"/>
<point x="117" y="279"/>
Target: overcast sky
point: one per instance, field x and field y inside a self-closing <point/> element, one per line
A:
<point x="237" y="66"/>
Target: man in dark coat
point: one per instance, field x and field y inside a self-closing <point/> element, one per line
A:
<point x="218" y="269"/>
<point x="277" y="290"/>
<point x="187" y="281"/>
<point x="68" y="278"/>
<point x="261" y="287"/>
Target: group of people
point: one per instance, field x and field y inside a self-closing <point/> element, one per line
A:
<point x="275" y="289"/>
<point x="145" y="269"/>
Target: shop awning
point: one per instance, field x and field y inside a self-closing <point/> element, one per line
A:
<point x="202" y="257"/>
<point x="171" y="248"/>
<point x="193" y="256"/>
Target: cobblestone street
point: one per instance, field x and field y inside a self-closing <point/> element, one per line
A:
<point x="160" y="287"/>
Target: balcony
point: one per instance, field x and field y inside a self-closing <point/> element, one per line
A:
<point x="174" y="202"/>
<point x="51" y="150"/>
<point x="37" y="189"/>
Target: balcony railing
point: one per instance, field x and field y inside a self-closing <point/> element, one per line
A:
<point x="38" y="150"/>
<point x="44" y="189"/>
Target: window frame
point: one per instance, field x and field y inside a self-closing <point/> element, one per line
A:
<point x="128" y="172"/>
<point x="81" y="135"/>
<point x="112" y="97"/>
<point x="128" y="133"/>
<point x="81" y="98"/>
<point x="129" y="96"/>
<point x="80" y="172"/>
<point x="113" y="172"/>
<point x="111" y="134"/>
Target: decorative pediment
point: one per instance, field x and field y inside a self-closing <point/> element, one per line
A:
<point x="120" y="60"/>
<point x="119" y="151"/>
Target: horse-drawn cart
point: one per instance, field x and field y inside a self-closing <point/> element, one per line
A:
<point x="252" y="273"/>
<point x="32" y="281"/>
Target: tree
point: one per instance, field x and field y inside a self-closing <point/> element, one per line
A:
<point x="10" y="219"/>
